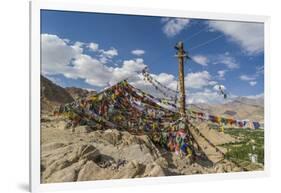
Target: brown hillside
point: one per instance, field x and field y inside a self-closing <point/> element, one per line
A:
<point x="53" y="95"/>
<point x="77" y="93"/>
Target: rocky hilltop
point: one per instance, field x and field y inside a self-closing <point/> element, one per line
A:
<point x="53" y="95"/>
<point x="112" y="151"/>
<point x="85" y="154"/>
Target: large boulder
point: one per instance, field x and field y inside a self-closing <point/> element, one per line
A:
<point x="112" y="136"/>
<point x="125" y="146"/>
<point x="59" y="158"/>
<point x="68" y="174"/>
<point x="131" y="170"/>
<point x="91" y="171"/>
<point x="82" y="129"/>
<point x="154" y="170"/>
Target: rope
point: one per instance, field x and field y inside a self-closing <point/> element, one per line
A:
<point x="152" y="97"/>
<point x="147" y="74"/>
<point x="207" y="42"/>
<point x="217" y="149"/>
<point x="195" y="34"/>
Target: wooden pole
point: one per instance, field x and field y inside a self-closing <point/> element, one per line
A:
<point x="181" y="55"/>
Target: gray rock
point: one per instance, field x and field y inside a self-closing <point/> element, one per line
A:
<point x="83" y="129"/>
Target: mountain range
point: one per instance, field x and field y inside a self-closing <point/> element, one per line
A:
<point x="251" y="108"/>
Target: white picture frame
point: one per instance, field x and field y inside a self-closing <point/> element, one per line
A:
<point x="36" y="6"/>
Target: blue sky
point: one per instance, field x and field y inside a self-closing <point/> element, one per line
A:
<point x="93" y="51"/>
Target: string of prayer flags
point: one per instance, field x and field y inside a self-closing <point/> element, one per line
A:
<point x="149" y="77"/>
<point x="225" y="121"/>
<point x="156" y="84"/>
<point x="256" y="125"/>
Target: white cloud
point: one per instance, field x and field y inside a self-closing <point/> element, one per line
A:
<point x="247" y="77"/>
<point x="65" y="39"/>
<point x="253" y="83"/>
<point x="260" y="70"/>
<point x="200" y="87"/>
<point x="112" y="52"/>
<point x="205" y="97"/>
<point x="219" y="87"/>
<point x="61" y="57"/>
<point x="78" y="44"/>
<point x="106" y="56"/>
<point x="199" y="59"/>
<point x="221" y="74"/>
<point x="173" y="26"/>
<point x="78" y="47"/>
<point x="207" y="90"/>
<point x="227" y="60"/>
<point x="168" y="80"/>
<point x="93" y="46"/>
<point x="203" y="89"/>
<point x="212" y="82"/>
<point x="222" y="59"/>
<point x="250" y="36"/>
<point x="138" y="52"/>
<point x="251" y="79"/>
<point x="165" y="79"/>
<point x="96" y="73"/>
<point x="57" y="54"/>
<point x="129" y="70"/>
<point x="197" y="80"/>
<point x="90" y="69"/>
<point x="261" y="95"/>
<point x="73" y="63"/>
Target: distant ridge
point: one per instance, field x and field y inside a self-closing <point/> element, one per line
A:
<point x="239" y="108"/>
<point x="77" y="93"/>
<point x="53" y="95"/>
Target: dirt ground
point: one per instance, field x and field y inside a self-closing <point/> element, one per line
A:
<point x="81" y="154"/>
